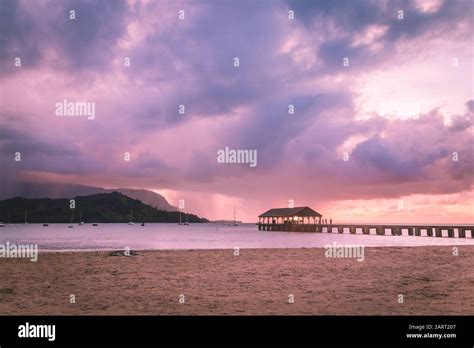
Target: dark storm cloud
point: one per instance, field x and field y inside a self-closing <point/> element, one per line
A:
<point x="470" y="106"/>
<point x="271" y="128"/>
<point x="380" y="154"/>
<point x="18" y="36"/>
<point x="191" y="63"/>
<point x="13" y="140"/>
<point x="416" y="23"/>
<point x="89" y="40"/>
<point x="55" y="155"/>
<point x="350" y="15"/>
<point x="354" y="17"/>
<point x="403" y="155"/>
<point x="84" y="43"/>
<point x="207" y="81"/>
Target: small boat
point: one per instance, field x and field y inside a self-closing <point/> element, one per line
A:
<point x="45" y="225"/>
<point x="95" y="224"/>
<point x="143" y="224"/>
<point x="235" y="222"/>
<point x="131" y="218"/>
<point x="2" y="224"/>
<point x="186" y="223"/>
<point x="26" y="216"/>
<point x="80" y="218"/>
<point x="180" y="223"/>
<point x="72" y="218"/>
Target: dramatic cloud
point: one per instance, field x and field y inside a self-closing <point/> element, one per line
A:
<point x="394" y="123"/>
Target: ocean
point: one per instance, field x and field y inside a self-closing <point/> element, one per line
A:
<point x="159" y="236"/>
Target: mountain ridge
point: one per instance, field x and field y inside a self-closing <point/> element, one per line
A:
<point x="112" y="207"/>
<point x="26" y="189"/>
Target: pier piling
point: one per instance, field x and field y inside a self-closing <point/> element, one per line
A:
<point x="395" y="230"/>
<point x="451" y="232"/>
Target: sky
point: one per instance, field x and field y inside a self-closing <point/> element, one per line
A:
<point x="382" y="94"/>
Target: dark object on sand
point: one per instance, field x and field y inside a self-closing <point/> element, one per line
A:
<point x="123" y="253"/>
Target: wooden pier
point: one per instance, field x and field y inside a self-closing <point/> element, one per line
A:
<point x="394" y="230"/>
<point x="304" y="219"/>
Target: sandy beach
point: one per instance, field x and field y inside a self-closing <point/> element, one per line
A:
<point x="258" y="281"/>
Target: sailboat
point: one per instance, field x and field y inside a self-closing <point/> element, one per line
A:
<point x="9" y="219"/>
<point x="2" y="224"/>
<point x="186" y="217"/>
<point x="26" y="216"/>
<point x="72" y="217"/>
<point x="131" y="218"/>
<point x="180" y="223"/>
<point x="235" y="222"/>
<point x="80" y="219"/>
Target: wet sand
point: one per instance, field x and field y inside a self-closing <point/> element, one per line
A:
<point x="259" y="281"/>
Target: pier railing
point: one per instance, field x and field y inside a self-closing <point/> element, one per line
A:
<point x="451" y="231"/>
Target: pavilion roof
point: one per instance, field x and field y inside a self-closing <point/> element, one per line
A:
<point x="287" y="212"/>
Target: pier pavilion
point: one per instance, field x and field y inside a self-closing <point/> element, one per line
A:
<point x="305" y="219"/>
<point x="302" y="219"/>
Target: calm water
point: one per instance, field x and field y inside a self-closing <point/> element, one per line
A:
<point x="195" y="236"/>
